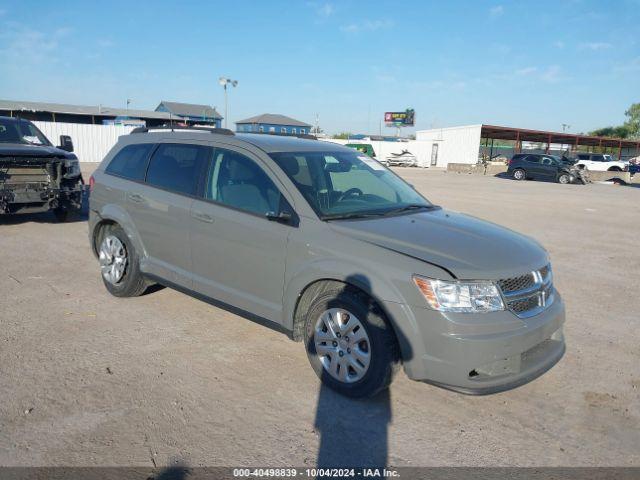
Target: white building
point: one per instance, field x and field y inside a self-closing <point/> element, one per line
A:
<point x="452" y="144"/>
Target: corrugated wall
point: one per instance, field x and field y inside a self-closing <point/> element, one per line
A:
<point x="91" y="142"/>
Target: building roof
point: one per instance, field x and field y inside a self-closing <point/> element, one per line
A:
<point x="273" y="119"/>
<point x="190" y="110"/>
<point x="98" y="110"/>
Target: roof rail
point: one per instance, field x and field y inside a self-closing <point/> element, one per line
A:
<point x="219" y="131"/>
<point x="280" y="134"/>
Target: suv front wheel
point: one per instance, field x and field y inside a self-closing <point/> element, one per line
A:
<point x="349" y="342"/>
<point x="119" y="264"/>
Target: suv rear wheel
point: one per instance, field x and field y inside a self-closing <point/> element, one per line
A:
<point x="119" y="263"/>
<point x="519" y="174"/>
<point x="349" y="342"/>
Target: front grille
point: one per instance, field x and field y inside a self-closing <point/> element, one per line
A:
<point x="520" y="306"/>
<point x="514" y="284"/>
<point x="528" y="294"/>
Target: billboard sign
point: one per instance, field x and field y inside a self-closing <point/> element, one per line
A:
<point x="400" y="119"/>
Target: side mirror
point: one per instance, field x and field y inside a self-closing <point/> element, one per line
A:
<point x="66" y="143"/>
<point x="282" y="217"/>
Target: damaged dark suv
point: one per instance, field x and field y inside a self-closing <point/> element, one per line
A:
<point x="35" y="176"/>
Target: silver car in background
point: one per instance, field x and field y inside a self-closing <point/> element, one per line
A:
<point x="332" y="247"/>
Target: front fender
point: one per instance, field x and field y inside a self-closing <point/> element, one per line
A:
<point x="362" y="277"/>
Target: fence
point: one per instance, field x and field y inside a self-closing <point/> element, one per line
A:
<point x="91" y="142"/>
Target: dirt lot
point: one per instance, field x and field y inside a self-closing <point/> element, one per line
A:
<point x="88" y="379"/>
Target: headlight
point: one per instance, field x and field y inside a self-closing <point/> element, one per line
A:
<point x="72" y="168"/>
<point x="463" y="297"/>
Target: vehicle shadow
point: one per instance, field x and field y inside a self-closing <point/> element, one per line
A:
<point x="354" y="432"/>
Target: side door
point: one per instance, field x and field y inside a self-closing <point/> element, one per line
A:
<point x="548" y="168"/>
<point x="238" y="253"/>
<point x="161" y="209"/>
<point x="533" y="167"/>
<point x="434" y="154"/>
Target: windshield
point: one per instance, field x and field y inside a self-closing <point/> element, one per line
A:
<point x="348" y="185"/>
<point x="21" y="131"/>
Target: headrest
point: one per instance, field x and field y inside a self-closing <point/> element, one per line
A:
<point x="239" y="171"/>
<point x="290" y="165"/>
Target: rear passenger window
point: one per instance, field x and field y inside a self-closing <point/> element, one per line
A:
<point x="533" y="159"/>
<point x="131" y="161"/>
<point x="177" y="167"/>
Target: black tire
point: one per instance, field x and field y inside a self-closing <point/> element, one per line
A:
<point x="519" y="174"/>
<point x="133" y="283"/>
<point x="384" y="350"/>
<point x="564" y="178"/>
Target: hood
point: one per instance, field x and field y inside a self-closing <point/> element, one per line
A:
<point x="24" y="150"/>
<point x="468" y="247"/>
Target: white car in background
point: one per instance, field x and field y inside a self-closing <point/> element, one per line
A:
<point x="599" y="162"/>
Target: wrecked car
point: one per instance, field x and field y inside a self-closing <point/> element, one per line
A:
<point x="534" y="166"/>
<point x="35" y="176"/>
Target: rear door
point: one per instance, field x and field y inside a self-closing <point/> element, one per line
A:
<point x="238" y="254"/>
<point x="533" y="167"/>
<point x="160" y="208"/>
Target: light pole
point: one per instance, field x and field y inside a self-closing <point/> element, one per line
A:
<point x="128" y="102"/>
<point x="224" y="82"/>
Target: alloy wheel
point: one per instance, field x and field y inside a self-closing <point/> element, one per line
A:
<point x="113" y="259"/>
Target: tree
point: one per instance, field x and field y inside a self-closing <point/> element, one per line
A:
<point x="343" y="136"/>
<point x="621" y="131"/>
<point x="629" y="129"/>
<point x="633" y="120"/>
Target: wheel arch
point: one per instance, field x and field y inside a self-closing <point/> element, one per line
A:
<point x="114" y="215"/>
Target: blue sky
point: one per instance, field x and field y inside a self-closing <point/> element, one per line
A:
<point x="528" y="64"/>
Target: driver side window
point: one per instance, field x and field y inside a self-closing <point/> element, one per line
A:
<point x="238" y="182"/>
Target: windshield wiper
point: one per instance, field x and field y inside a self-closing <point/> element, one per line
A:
<point x="384" y="213"/>
<point x="346" y="216"/>
<point x="409" y="208"/>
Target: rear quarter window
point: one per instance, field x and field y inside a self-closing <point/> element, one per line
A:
<point x="131" y="161"/>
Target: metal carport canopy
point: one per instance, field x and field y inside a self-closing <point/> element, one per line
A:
<point x="524" y="135"/>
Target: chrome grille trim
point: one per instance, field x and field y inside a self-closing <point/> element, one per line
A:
<point x="528" y="294"/>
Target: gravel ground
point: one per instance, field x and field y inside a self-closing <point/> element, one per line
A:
<point x="89" y="379"/>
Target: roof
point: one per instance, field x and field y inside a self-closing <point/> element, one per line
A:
<point x="273" y="119"/>
<point x="266" y="142"/>
<point x="190" y="110"/>
<point x="280" y="143"/>
<point x="99" y="110"/>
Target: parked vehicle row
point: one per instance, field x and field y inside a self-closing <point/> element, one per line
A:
<point x="333" y="247"/>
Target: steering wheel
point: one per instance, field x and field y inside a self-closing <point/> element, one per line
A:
<point x="350" y="192"/>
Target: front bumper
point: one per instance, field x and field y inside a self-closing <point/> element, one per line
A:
<point x="478" y="353"/>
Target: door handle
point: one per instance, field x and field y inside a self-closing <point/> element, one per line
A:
<point x="134" y="197"/>
<point x="203" y="217"/>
